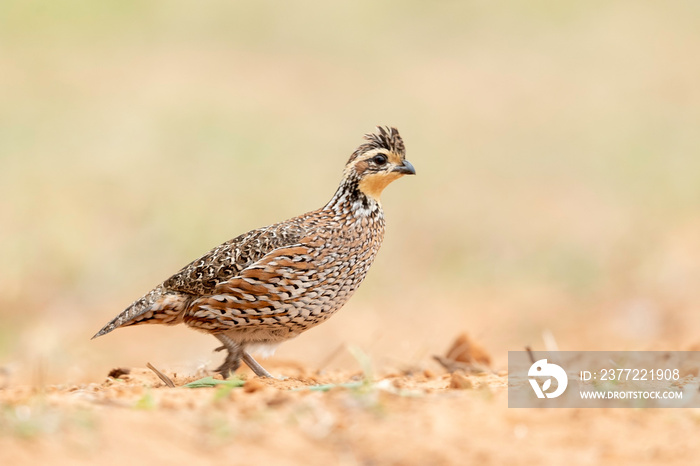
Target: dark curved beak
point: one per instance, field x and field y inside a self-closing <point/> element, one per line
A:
<point x="405" y="169"/>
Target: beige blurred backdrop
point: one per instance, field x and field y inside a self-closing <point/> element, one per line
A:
<point x="557" y="146"/>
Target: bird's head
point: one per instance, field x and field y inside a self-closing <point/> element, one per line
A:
<point x="378" y="162"/>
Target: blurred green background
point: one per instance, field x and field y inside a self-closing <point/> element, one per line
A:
<point x="557" y="146"/>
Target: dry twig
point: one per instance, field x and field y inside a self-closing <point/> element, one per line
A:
<point x="166" y="380"/>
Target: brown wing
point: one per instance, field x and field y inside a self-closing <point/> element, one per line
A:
<point x="201" y="276"/>
<point x="268" y="293"/>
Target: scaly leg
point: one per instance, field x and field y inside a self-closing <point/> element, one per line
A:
<point x="233" y="358"/>
<point x="255" y="366"/>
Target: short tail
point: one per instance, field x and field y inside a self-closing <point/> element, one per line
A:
<point x="159" y="306"/>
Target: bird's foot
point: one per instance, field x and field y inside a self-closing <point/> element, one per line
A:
<point x="230" y="365"/>
<point x="233" y="358"/>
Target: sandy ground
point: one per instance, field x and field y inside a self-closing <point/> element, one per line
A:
<point x="337" y="417"/>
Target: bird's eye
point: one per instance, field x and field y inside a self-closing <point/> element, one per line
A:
<point x="379" y="159"/>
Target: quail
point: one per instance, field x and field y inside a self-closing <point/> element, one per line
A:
<point x="273" y="283"/>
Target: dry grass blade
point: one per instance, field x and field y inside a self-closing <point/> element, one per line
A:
<point x="530" y="354"/>
<point x="331" y="356"/>
<point x="166" y="380"/>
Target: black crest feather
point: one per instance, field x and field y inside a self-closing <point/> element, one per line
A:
<point x="385" y="137"/>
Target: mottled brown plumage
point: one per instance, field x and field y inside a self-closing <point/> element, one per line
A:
<point x="273" y="283"/>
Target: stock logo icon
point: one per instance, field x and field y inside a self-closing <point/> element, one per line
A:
<point x="542" y="368"/>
